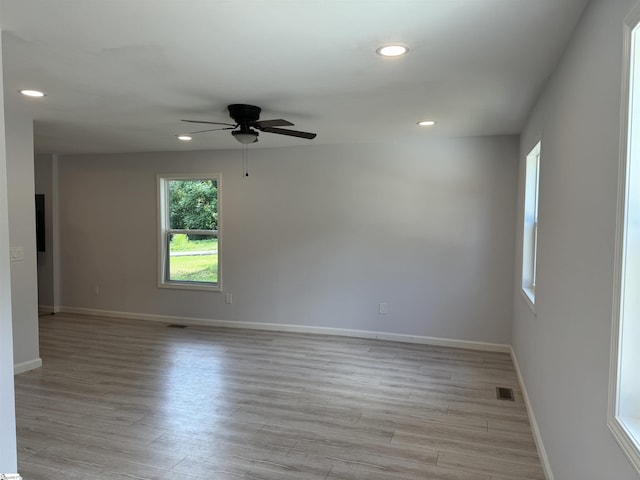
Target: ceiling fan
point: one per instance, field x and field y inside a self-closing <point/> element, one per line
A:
<point x="245" y="130"/>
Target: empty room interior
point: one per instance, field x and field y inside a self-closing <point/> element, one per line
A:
<point x="319" y="239"/>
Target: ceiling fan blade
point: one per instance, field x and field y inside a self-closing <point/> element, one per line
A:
<point x="211" y="123"/>
<point x="271" y="123"/>
<point x="209" y="130"/>
<point x="291" y="133"/>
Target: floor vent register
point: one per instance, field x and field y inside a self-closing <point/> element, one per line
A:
<point x="504" y="393"/>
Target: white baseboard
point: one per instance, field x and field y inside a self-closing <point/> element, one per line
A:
<point x="542" y="453"/>
<point x="342" y="332"/>
<point x="26" y="366"/>
<point x="47" y="310"/>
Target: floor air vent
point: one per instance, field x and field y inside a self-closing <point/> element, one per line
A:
<point x="175" y="325"/>
<point x="505" y="393"/>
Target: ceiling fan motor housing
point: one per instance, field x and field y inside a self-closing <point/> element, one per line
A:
<point x="243" y="114"/>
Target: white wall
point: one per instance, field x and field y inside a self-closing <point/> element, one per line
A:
<point x="563" y="351"/>
<point x="44" y="181"/>
<point x="21" y="196"/>
<point x="316" y="236"/>
<point x="8" y="449"/>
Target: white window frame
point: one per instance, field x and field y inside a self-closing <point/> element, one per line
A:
<point x="623" y="416"/>
<point x="165" y="232"/>
<point x="530" y="223"/>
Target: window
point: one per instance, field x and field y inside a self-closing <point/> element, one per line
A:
<point x="624" y="394"/>
<point x="189" y="231"/>
<point x="530" y="234"/>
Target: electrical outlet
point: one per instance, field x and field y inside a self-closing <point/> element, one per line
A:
<point x="382" y="308"/>
<point x="228" y="298"/>
<point x="96" y="290"/>
<point x="16" y="254"/>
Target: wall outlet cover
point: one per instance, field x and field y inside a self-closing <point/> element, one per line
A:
<point x="16" y="254"/>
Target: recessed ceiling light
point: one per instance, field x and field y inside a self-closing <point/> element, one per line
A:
<point x="426" y="123"/>
<point x="184" y="138"/>
<point x="32" y="93"/>
<point x="392" y="50"/>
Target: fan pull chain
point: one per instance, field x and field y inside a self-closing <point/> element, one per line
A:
<point x="245" y="161"/>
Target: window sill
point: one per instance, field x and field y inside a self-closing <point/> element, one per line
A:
<point x="191" y="286"/>
<point x="530" y="298"/>
<point x="626" y="431"/>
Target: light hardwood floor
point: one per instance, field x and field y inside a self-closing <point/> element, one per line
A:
<point x="129" y="400"/>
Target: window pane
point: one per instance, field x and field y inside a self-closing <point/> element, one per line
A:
<point x="190" y="231"/>
<point x="530" y="234"/>
<point x="193" y="204"/>
<point x="193" y="258"/>
<point x="535" y="256"/>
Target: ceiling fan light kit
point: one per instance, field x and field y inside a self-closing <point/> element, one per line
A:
<point x="245" y="136"/>
<point x="248" y="125"/>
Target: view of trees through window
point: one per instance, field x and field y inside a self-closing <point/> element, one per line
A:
<point x="193" y="204"/>
<point x="193" y="230"/>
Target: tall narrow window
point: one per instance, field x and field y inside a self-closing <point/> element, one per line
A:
<point x="189" y="231"/>
<point x="624" y="398"/>
<point x="530" y="234"/>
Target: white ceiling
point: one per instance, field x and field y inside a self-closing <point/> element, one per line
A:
<point x="120" y="74"/>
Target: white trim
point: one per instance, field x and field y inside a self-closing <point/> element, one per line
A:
<point x="617" y="427"/>
<point x="26" y="366"/>
<point x="624" y="438"/>
<point x="161" y="192"/>
<point x="46" y="309"/>
<point x="279" y="327"/>
<point x="162" y="196"/>
<point x="202" y="287"/>
<point x="530" y="221"/>
<point x="527" y="294"/>
<point x="537" y="436"/>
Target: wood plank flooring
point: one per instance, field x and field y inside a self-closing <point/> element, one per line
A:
<point x="120" y="399"/>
